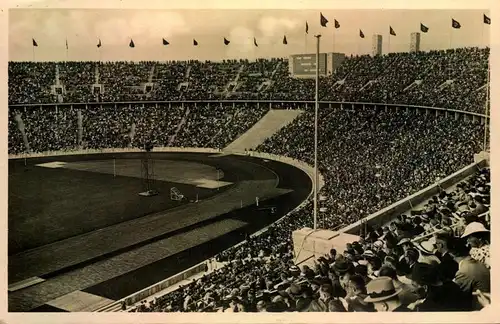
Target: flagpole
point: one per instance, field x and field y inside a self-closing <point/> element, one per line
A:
<point x="305" y="42"/>
<point x="451" y="37"/>
<point x="33" y="52"/>
<point x="316" y="136"/>
<point x="486" y="107"/>
<point x="389" y="43"/>
<point x="333" y="39"/>
<point x="482" y="35"/>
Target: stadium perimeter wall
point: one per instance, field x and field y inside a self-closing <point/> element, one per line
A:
<point x="385" y="215"/>
<point x="276" y="104"/>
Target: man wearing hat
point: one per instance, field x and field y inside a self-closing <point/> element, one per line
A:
<point x="356" y="295"/>
<point x="478" y="238"/>
<point x="344" y="269"/>
<point x="426" y="252"/>
<point x="384" y="296"/>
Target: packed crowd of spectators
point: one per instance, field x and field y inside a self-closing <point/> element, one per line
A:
<point x="360" y="152"/>
<point x="452" y="79"/>
<point x="433" y="259"/>
<point x="123" y="125"/>
<point x="78" y="78"/>
<point x="30" y="82"/>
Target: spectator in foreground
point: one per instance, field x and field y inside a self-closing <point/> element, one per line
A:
<point x="448" y="266"/>
<point x="436" y="296"/>
<point x="472" y="275"/>
<point x="384" y="296"/>
<point x="407" y="293"/>
<point x="478" y="237"/>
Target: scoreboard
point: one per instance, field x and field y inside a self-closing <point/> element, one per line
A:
<point x="304" y="65"/>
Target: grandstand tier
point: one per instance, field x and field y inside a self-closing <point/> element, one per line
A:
<point x="453" y="79"/>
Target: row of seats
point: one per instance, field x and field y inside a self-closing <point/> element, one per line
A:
<point x="452" y="79"/>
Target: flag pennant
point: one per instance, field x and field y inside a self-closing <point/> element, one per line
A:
<point x="226" y="42"/>
<point x="195" y="43"/>
<point x="361" y="34"/>
<point x="165" y="42"/>
<point x="66" y="43"/>
<point x="99" y="44"/>
<point x="255" y="42"/>
<point x="307" y="28"/>
<point x="455" y="24"/>
<point x="391" y="31"/>
<point x="424" y="28"/>
<point x="337" y="25"/>
<point x="131" y="44"/>
<point x="284" y="40"/>
<point x="34" y="42"/>
<point x="322" y="20"/>
<point x="487" y="20"/>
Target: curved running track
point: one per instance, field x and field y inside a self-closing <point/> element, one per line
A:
<point x="162" y="243"/>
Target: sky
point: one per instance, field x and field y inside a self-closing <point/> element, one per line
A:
<point x="82" y="28"/>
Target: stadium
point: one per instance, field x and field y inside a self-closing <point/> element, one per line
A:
<point x="240" y="186"/>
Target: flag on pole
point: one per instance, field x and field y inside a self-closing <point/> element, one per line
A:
<point x="361" y="34"/>
<point x="66" y="43"/>
<point x="255" y="42"/>
<point x="486" y="20"/>
<point x="131" y="44"/>
<point x="284" y="40"/>
<point x="337" y="25"/>
<point x="165" y="42"/>
<point x="195" y="43"/>
<point x="391" y="31"/>
<point x="226" y="42"/>
<point x="424" y="28"/>
<point x="307" y="28"/>
<point x="99" y="44"/>
<point x="455" y="24"/>
<point x="34" y="42"/>
<point x="322" y="20"/>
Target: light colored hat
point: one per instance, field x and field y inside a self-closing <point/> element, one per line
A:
<point x="368" y="253"/>
<point x="474" y="227"/>
<point x="381" y="289"/>
<point x="404" y="240"/>
<point x="426" y="247"/>
<point x="363" y="262"/>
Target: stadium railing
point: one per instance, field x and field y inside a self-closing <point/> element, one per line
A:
<point x="386" y="214"/>
<point x="275" y="104"/>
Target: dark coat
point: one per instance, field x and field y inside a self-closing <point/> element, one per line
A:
<point x="446" y="298"/>
<point x="448" y="267"/>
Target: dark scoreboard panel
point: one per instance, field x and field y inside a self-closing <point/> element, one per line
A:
<point x="305" y="64"/>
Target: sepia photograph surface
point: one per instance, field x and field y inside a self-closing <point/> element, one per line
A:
<point x="215" y="160"/>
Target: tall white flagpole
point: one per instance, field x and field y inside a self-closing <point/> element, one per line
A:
<point x="486" y="119"/>
<point x="316" y="136"/>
